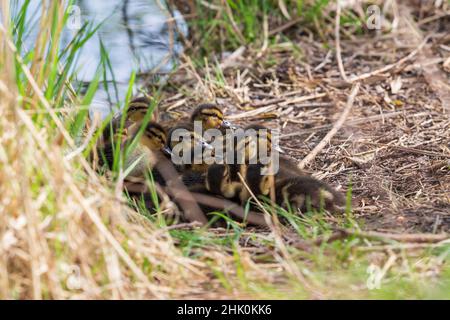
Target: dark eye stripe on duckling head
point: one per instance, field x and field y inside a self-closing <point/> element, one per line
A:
<point x="155" y="130"/>
<point x="136" y="109"/>
<point x="141" y="103"/>
<point x="212" y="113"/>
<point x="207" y="110"/>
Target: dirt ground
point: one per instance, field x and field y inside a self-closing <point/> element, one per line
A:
<point x="394" y="146"/>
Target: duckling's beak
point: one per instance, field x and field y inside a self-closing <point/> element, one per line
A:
<point x="206" y="145"/>
<point x="278" y="148"/>
<point x="167" y="151"/>
<point x="228" y="125"/>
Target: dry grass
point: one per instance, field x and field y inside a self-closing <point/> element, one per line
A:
<point x="66" y="233"/>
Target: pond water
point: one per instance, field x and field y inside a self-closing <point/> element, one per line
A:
<point x="136" y="34"/>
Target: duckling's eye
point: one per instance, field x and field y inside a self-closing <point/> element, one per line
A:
<point x="157" y="137"/>
<point x="211" y="115"/>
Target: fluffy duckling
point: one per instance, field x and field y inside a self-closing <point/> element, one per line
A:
<point x="150" y="144"/>
<point x="219" y="181"/>
<point x="135" y="113"/>
<point x="181" y="138"/>
<point x="153" y="142"/>
<point x="302" y="191"/>
<point x="211" y="117"/>
<point x="299" y="191"/>
<point x="251" y="146"/>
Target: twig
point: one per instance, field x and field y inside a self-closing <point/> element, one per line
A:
<point x="410" y="149"/>
<point x="333" y="130"/>
<point x="181" y="226"/>
<point x="324" y="62"/>
<point x="338" y="42"/>
<point x="266" y="37"/>
<point x="352" y="122"/>
<point x="391" y="66"/>
<point x="408" y="237"/>
<point x="178" y="191"/>
<point x="402" y="246"/>
<point x="433" y="18"/>
<point x="272" y="104"/>
<point x="232" y="57"/>
<point x="251" y="217"/>
<point x="285" y="26"/>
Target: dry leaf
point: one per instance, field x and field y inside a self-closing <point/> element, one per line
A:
<point x="446" y="65"/>
<point x="396" y="85"/>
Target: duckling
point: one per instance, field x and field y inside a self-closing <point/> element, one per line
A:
<point x="211" y="117"/>
<point x="245" y="149"/>
<point x="257" y="180"/>
<point x="299" y="191"/>
<point x="302" y="191"/>
<point x="151" y="144"/>
<point x="182" y="137"/>
<point x="135" y="113"/>
<point x="218" y="181"/>
<point x="251" y="149"/>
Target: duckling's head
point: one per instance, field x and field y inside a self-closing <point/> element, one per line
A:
<point x="184" y="133"/>
<point x="257" y="142"/>
<point x="211" y="117"/>
<point x="137" y="109"/>
<point x="251" y="144"/>
<point x="154" y="137"/>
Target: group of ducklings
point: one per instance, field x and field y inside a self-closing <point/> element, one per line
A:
<point x="234" y="180"/>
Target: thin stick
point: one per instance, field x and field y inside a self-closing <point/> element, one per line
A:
<point x="338" y="42"/>
<point x="333" y="130"/>
<point x="391" y="66"/>
<point x="272" y="104"/>
<point x="285" y="26"/>
<point x="402" y="246"/>
<point x="179" y="192"/>
<point x="227" y="205"/>
<point x="408" y="237"/>
<point x="354" y="122"/>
